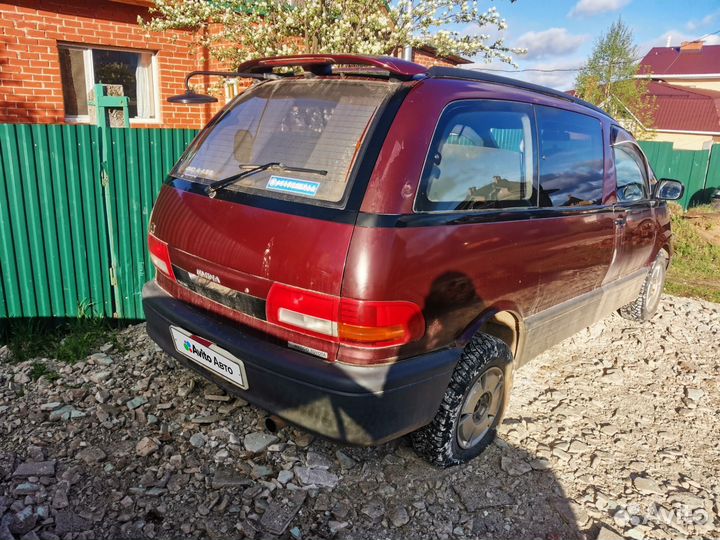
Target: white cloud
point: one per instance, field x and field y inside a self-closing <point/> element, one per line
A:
<point x="595" y="7"/>
<point x="550" y="42"/>
<point x="706" y="21"/>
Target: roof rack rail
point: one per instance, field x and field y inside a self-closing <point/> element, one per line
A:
<point x="457" y="73"/>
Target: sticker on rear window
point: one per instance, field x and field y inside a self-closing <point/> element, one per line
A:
<point x="293" y="185"/>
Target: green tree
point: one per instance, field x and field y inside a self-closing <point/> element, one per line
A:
<point x="608" y="79"/>
<point x="237" y="30"/>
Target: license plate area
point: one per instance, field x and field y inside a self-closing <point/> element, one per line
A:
<point x="210" y="356"/>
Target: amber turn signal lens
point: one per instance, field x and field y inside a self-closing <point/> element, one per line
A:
<point x="371" y="334"/>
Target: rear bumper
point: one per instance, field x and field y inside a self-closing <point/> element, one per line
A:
<point x="360" y="405"/>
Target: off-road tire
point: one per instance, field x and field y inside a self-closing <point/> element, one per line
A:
<point x="437" y="442"/>
<point x="645" y="305"/>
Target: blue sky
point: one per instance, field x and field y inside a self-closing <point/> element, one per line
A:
<point x="559" y="34"/>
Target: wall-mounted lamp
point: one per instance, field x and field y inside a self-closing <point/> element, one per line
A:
<point x="189" y="97"/>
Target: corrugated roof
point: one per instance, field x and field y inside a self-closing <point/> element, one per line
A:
<point x="685" y="109"/>
<point x="675" y="61"/>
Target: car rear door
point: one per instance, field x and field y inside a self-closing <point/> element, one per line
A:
<point x="578" y="240"/>
<point x="576" y="247"/>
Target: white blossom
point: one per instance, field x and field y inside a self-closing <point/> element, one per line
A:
<point x="238" y="30"/>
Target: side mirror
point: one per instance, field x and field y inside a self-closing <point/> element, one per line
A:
<point x="668" y="190"/>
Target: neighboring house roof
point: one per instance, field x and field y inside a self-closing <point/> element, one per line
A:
<point x="690" y="59"/>
<point x="685" y="109"/>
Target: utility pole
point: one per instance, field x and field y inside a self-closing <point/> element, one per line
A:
<point x="408" y="52"/>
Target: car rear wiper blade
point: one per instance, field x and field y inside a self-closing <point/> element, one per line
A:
<point x="212" y="188"/>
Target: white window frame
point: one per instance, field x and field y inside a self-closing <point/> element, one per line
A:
<point x="90" y="80"/>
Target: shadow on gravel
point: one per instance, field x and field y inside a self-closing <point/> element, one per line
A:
<point x="505" y="493"/>
<point x="370" y="493"/>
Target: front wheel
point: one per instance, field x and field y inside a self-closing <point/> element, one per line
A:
<point x="472" y="406"/>
<point x="645" y="305"/>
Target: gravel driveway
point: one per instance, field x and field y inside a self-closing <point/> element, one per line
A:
<point x="616" y="430"/>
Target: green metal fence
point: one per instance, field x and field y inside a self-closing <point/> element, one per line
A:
<point x="75" y="203"/>
<point x="699" y="170"/>
<point x="59" y="237"/>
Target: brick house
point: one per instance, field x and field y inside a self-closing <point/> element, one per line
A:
<point x="53" y="51"/>
<point x="685" y="86"/>
<point x="427" y="56"/>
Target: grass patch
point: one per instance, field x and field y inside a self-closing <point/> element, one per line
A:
<point x="695" y="268"/>
<point x="41" y="370"/>
<point x="69" y="340"/>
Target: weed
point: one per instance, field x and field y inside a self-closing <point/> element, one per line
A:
<point x="41" y="370"/>
<point x="26" y="339"/>
<point x="68" y="340"/>
<point x="81" y="337"/>
<point x="695" y="268"/>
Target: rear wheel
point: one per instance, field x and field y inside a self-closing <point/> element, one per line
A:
<point x="472" y="406"/>
<point x="645" y="305"/>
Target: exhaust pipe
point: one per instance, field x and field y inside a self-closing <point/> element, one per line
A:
<point x="274" y="423"/>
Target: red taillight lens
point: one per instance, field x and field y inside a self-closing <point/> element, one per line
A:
<point x="160" y="256"/>
<point x="312" y="313"/>
<point x="345" y="320"/>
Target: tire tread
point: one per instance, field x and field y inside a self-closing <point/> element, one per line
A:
<point x="434" y="442"/>
<point x="636" y="310"/>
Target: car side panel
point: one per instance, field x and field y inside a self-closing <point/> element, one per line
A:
<point x="574" y="253"/>
<point x="453" y="272"/>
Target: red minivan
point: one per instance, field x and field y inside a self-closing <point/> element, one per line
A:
<point x="367" y="248"/>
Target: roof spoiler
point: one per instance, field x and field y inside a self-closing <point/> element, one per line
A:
<point x="321" y="64"/>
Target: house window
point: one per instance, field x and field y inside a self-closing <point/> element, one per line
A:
<point x="83" y="67"/>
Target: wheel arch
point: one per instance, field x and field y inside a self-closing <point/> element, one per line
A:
<point x="668" y="249"/>
<point x="502" y="322"/>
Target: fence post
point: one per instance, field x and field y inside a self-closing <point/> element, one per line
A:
<point x="102" y="103"/>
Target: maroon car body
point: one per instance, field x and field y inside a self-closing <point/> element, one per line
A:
<point x="530" y="275"/>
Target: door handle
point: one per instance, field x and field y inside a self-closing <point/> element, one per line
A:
<point x="620" y="221"/>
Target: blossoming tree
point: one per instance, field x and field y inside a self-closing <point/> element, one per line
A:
<point x="237" y="30"/>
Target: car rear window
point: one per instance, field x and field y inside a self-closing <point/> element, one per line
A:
<point x="312" y="124"/>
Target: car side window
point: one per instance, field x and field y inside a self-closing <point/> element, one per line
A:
<point x="571" y="158"/>
<point x="481" y="156"/>
<point x="630" y="172"/>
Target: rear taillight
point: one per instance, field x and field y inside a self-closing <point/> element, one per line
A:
<point x="345" y="320"/>
<point x="160" y="256"/>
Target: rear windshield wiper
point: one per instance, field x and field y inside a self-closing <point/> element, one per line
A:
<point x="212" y="188"/>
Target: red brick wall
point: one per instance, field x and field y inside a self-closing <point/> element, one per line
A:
<point x="429" y="60"/>
<point x="30" y="85"/>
